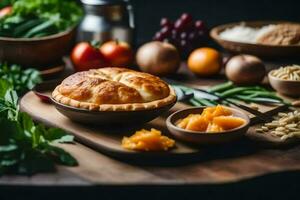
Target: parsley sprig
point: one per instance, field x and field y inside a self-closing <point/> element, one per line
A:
<point x="25" y="146"/>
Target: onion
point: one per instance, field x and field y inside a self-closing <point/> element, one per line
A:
<point x="245" y="70"/>
<point x="158" y="58"/>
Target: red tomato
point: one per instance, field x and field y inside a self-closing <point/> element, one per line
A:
<point x="119" y="54"/>
<point x="5" y="11"/>
<point x="84" y="57"/>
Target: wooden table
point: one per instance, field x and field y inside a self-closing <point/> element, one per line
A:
<point x="238" y="165"/>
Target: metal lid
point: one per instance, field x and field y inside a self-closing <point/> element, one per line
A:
<point x="103" y="2"/>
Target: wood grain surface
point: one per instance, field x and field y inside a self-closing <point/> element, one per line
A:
<point x="242" y="160"/>
<point x="104" y="139"/>
<point x="215" y="165"/>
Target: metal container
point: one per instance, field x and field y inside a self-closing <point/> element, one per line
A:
<point x="107" y="20"/>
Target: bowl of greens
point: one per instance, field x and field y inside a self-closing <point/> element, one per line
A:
<point x="37" y="33"/>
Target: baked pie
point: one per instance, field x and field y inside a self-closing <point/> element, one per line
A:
<point x="114" y="89"/>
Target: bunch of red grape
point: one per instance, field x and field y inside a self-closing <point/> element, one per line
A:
<point x="186" y="34"/>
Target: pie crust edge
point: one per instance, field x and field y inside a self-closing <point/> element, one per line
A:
<point x="171" y="98"/>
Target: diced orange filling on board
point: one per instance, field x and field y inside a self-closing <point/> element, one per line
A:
<point x="145" y="140"/>
<point x="212" y="119"/>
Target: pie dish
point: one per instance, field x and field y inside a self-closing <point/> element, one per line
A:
<point x="114" y="89"/>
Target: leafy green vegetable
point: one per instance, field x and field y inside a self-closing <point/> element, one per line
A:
<point x="4" y="3"/>
<point x="20" y="80"/>
<point x="26" y="147"/>
<point x="34" y="18"/>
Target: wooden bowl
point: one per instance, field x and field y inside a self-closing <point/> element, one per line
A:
<point x="254" y="49"/>
<point x="286" y="87"/>
<point x="204" y="138"/>
<point x="37" y="52"/>
<point x="108" y="118"/>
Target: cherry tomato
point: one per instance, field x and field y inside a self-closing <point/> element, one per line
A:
<point x="119" y="54"/>
<point x="84" y="57"/>
<point x="5" y="11"/>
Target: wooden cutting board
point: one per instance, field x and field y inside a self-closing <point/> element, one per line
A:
<point x="108" y="141"/>
<point x="102" y="139"/>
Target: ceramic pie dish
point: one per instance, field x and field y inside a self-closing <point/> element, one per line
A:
<point x="113" y="96"/>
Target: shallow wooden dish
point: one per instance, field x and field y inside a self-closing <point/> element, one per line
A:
<point x="286" y="87"/>
<point x="37" y="52"/>
<point x="204" y="138"/>
<point x="254" y="49"/>
<point x="102" y="118"/>
<point x="106" y="118"/>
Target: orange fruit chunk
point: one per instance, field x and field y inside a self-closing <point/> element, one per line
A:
<point x="214" y="128"/>
<point x="228" y="122"/>
<point x="197" y="123"/>
<point x="144" y="140"/>
<point x="221" y="111"/>
<point x="212" y="119"/>
<point x="182" y="123"/>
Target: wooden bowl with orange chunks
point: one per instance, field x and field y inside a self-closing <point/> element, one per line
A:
<point x="208" y="125"/>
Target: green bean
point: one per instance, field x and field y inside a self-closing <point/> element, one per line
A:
<point x="262" y="94"/>
<point x="179" y="92"/>
<point x="26" y="26"/>
<point x="233" y="91"/>
<point x="42" y="34"/>
<point x="38" y="29"/>
<point x="213" y="102"/>
<point x="221" y="87"/>
<point x="194" y="102"/>
<point x="234" y="100"/>
<point x="257" y="99"/>
<point x="255" y="91"/>
<point x="204" y="102"/>
<point x="238" y="90"/>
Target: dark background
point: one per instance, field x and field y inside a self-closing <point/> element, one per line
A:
<point x="213" y="12"/>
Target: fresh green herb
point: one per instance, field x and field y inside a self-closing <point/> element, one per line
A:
<point x="20" y="80"/>
<point x="4" y="3"/>
<point x="36" y="18"/>
<point x="26" y="147"/>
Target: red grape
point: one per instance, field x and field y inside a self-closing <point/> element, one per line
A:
<point x="179" y="25"/>
<point x="183" y="43"/>
<point x="199" y="24"/>
<point x="158" y="36"/>
<point x="166" y="31"/>
<point x="192" y="36"/>
<point x="185" y="34"/>
<point x="165" y="22"/>
<point x="186" y="18"/>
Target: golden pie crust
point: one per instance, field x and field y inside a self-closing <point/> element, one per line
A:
<point x="114" y="89"/>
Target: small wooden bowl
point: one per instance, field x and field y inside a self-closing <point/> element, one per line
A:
<point x="286" y="87"/>
<point x="40" y="53"/>
<point x="204" y="138"/>
<point x="254" y="49"/>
